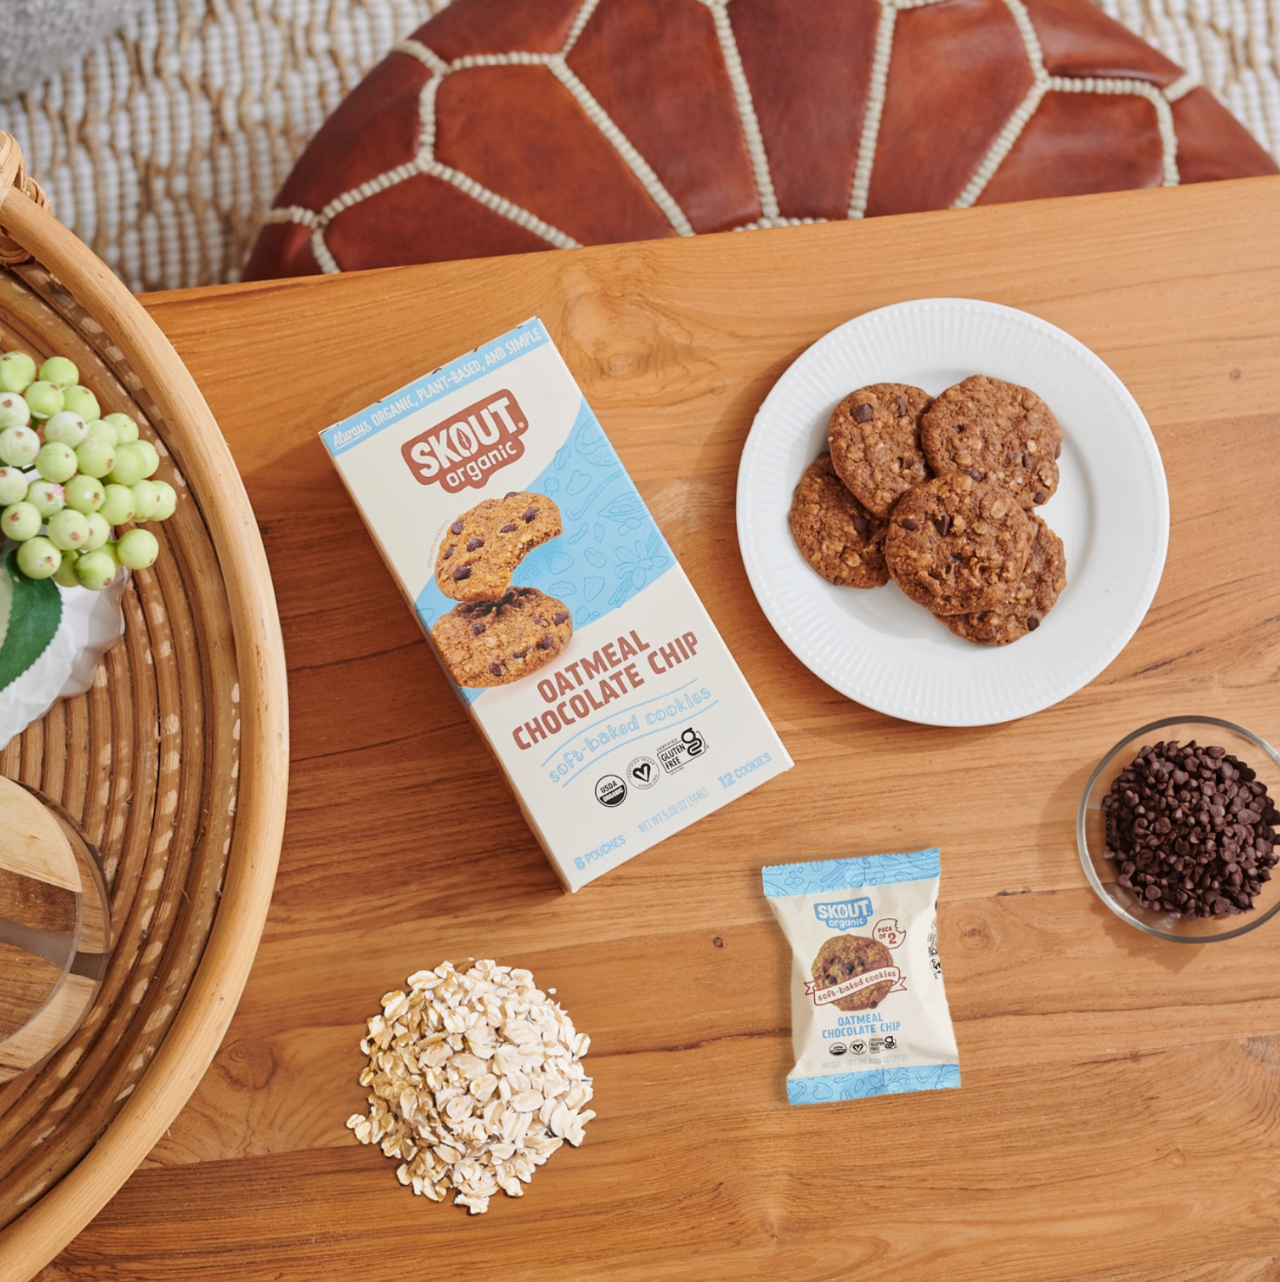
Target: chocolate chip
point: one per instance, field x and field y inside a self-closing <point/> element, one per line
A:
<point x="1027" y="461"/>
<point x="1032" y="623"/>
<point x="456" y="527"/>
<point x="1174" y="824"/>
<point x="861" y="524"/>
<point x="559" y="617"/>
<point x="530" y="514"/>
<point x="472" y="544"/>
<point x="863" y="413"/>
<point x="519" y="654"/>
<point x="496" y="669"/>
<point x="462" y="572"/>
<point x="545" y="643"/>
<point x="1039" y="496"/>
<point x="910" y="523"/>
<point x="477" y="629"/>
<point x="510" y="494"/>
<point x="975" y="474"/>
<point x="506" y="529"/>
<point x="942" y="524"/>
<point x="448" y="552"/>
<point x="902" y="406"/>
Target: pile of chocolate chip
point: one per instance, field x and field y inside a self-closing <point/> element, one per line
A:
<point x="1191" y="829"/>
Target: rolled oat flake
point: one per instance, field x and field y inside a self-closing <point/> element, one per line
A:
<point x="868" y="1009"/>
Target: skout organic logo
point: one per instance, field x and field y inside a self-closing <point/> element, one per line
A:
<point x="844" y="914"/>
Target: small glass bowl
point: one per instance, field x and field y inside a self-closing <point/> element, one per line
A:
<point x="1208" y="732"/>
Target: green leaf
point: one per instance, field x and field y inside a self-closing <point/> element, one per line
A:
<point x="35" y="610"/>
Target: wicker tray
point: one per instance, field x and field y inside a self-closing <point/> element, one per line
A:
<point x="174" y="765"/>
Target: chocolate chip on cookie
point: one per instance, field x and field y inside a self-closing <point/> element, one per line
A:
<point x="1043" y="579"/>
<point x="492" y="643"/>
<point x="958" y="546"/>
<point x="995" y="432"/>
<point x="841" y="958"/>
<point x="874" y="436"/>
<point x="834" y="532"/>
<point x="483" y="546"/>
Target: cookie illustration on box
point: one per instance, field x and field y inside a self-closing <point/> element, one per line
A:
<point x="493" y="643"/>
<point x="874" y="436"/>
<point x="482" y="547"/>
<point x="995" y="432"/>
<point x="834" y="532"/>
<point x="845" y="957"/>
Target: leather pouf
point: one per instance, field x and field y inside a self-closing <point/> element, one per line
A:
<point x="505" y="126"/>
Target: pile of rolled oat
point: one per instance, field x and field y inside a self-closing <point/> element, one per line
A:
<point x="475" y="1078"/>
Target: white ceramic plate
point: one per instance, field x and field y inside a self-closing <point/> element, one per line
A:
<point x="1111" y="512"/>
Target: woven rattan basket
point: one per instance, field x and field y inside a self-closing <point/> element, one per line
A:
<point x="174" y="765"/>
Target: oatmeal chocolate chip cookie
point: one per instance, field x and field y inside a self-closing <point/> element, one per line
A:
<point x="958" y="546"/>
<point x="834" y="532"/>
<point x="481" y="549"/>
<point x="842" y="957"/>
<point x="1033" y="598"/>
<point x="995" y="432"/>
<point x="492" y="643"/>
<point x="874" y="436"/>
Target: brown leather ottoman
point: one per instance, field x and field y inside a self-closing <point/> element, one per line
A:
<point x="505" y="126"/>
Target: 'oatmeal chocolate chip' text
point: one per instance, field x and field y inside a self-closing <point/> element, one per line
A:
<point x="464" y="450"/>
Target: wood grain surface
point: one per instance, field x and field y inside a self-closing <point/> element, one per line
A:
<point x="1119" y="1116"/>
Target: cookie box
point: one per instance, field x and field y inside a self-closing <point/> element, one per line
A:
<point x="554" y="604"/>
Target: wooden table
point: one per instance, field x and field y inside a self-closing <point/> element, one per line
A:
<point x="1120" y="1110"/>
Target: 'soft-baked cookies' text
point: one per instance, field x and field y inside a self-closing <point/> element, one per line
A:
<point x="995" y="432"/>
<point x="492" y="643"/>
<point x="958" y="546"/>
<point x="1043" y="579"/>
<point x="874" y="436"/>
<point x="843" y="957"/>
<point x="834" y="532"/>
<point x="481" y="549"/>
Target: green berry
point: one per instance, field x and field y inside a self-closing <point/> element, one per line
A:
<point x="95" y="570"/>
<point x="39" y="559"/>
<point x="56" y="462"/>
<point x="146" y="498"/>
<point x="68" y="530"/>
<point x="138" y="549"/>
<point x="17" y="371"/>
<point x="150" y="455"/>
<point x="65" y="575"/>
<point x="13" y="486"/>
<point x="21" y="521"/>
<point x="126" y="428"/>
<point x="117" y="505"/>
<point x="95" y="457"/>
<point x="85" y="493"/>
<point x="44" y="399"/>
<point x="14" y="411"/>
<point x="131" y="464"/>
<point x="66" y="426"/>
<point x="47" y="497"/>
<point x="168" y="501"/>
<point x="18" y="446"/>
<point x="99" y="532"/>
<point x="100" y="430"/>
<point x="57" y="369"/>
<point x="82" y="401"/>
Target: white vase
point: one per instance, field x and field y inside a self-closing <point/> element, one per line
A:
<point x="92" y="622"/>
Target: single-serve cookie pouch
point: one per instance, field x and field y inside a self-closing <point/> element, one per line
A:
<point x="868" y="1010"/>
